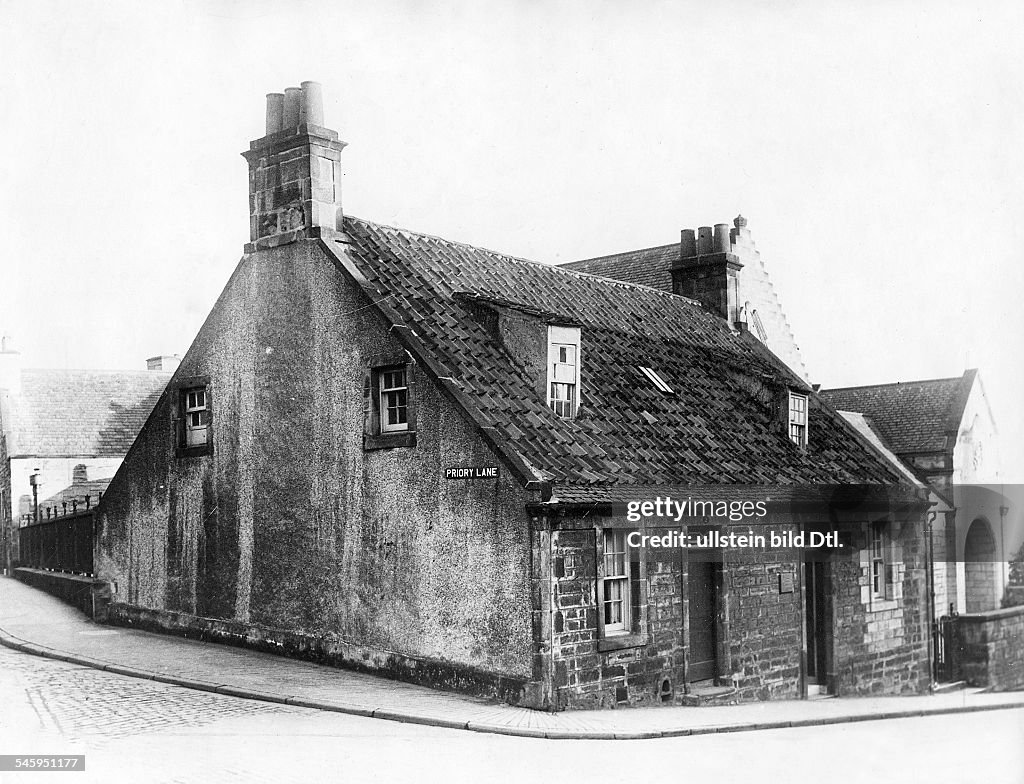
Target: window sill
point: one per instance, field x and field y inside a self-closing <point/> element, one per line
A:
<point x="620" y="641"/>
<point x="388" y="440"/>
<point x="193" y="451"/>
<point x="883" y="605"/>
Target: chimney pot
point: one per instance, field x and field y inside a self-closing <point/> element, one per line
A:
<point x="292" y="108"/>
<point x="275" y="112"/>
<point x="705" y="240"/>
<point x="312" y="103"/>
<point x="687" y="244"/>
<point x="722" y="244"/>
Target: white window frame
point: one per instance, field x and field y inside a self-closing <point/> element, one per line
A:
<point x="797" y="410"/>
<point x="389" y="394"/>
<point x="563" y="370"/>
<point x="616" y="588"/>
<point x="195" y="403"/>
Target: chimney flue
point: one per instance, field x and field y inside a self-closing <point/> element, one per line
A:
<point x="292" y="102"/>
<point x="275" y="112"/>
<point x="312" y="103"/>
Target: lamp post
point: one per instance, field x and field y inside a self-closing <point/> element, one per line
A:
<point x="34" y="481"/>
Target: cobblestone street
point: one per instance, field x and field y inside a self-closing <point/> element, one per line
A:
<point x="133" y="730"/>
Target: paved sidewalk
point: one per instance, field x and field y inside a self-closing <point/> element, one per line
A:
<point x="36" y="623"/>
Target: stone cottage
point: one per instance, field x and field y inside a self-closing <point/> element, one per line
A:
<point x="395" y="452"/>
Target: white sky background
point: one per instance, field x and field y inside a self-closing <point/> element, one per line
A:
<point x="877" y="150"/>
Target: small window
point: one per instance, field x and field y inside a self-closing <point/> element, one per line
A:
<point x="563" y="370"/>
<point x="877" y="560"/>
<point x="389" y="403"/>
<point x="657" y="380"/>
<point x="197" y="417"/>
<point x="798" y="419"/>
<point x="394" y="400"/>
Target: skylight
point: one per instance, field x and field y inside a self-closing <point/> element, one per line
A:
<point x="658" y="381"/>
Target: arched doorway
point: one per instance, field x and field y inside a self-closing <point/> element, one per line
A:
<point x="981" y="568"/>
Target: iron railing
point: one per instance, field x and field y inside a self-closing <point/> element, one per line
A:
<point x="61" y="544"/>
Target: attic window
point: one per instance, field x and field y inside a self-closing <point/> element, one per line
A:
<point x="657" y="380"/>
<point x="194" y="431"/>
<point x="798" y="419"/>
<point x="563" y="370"/>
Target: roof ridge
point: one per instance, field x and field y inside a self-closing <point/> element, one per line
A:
<point x="892" y="384"/>
<point x="559" y="268"/>
<point x="620" y="253"/>
<point x="109" y="371"/>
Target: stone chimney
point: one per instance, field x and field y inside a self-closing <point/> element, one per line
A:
<point x="708" y="270"/>
<point x="10" y="366"/>
<point x="294" y="171"/>
<point x="163" y="362"/>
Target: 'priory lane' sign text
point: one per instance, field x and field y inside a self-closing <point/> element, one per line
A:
<point x="472" y="472"/>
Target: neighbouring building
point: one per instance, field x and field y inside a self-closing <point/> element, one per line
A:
<point x="395" y="452"/>
<point x="69" y="429"/>
<point x="944" y="432"/>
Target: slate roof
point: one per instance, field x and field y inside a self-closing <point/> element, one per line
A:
<point x="718" y="428"/>
<point x="82" y="412"/>
<point x="911" y="416"/>
<point x="647" y="266"/>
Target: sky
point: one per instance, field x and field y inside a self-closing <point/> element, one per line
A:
<point x="875" y="149"/>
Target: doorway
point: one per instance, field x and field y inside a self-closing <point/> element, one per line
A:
<point x="816" y="618"/>
<point x="702" y="581"/>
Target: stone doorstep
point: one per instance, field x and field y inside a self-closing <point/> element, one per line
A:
<point x="946" y="688"/>
<point x="708" y="695"/>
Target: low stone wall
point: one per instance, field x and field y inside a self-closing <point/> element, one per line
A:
<point x="88" y="594"/>
<point x="324" y="650"/>
<point x="989" y="648"/>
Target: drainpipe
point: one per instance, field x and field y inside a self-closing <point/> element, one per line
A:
<point x="932" y="626"/>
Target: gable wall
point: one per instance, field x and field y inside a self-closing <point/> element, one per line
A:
<point x="290" y="524"/>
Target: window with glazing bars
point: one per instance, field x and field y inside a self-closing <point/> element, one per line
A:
<point x="394" y="400"/>
<point x="197" y="417"/>
<point x="798" y="419"/>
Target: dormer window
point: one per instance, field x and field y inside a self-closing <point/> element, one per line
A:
<point x="798" y="419"/>
<point x="657" y="380"/>
<point x="563" y="370"/>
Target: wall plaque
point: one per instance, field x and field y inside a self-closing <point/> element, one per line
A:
<point x="786" y="582"/>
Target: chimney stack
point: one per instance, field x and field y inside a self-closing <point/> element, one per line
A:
<point x="294" y="171"/>
<point x="10" y="366"/>
<point x="708" y="271"/>
<point x="163" y="362"/>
